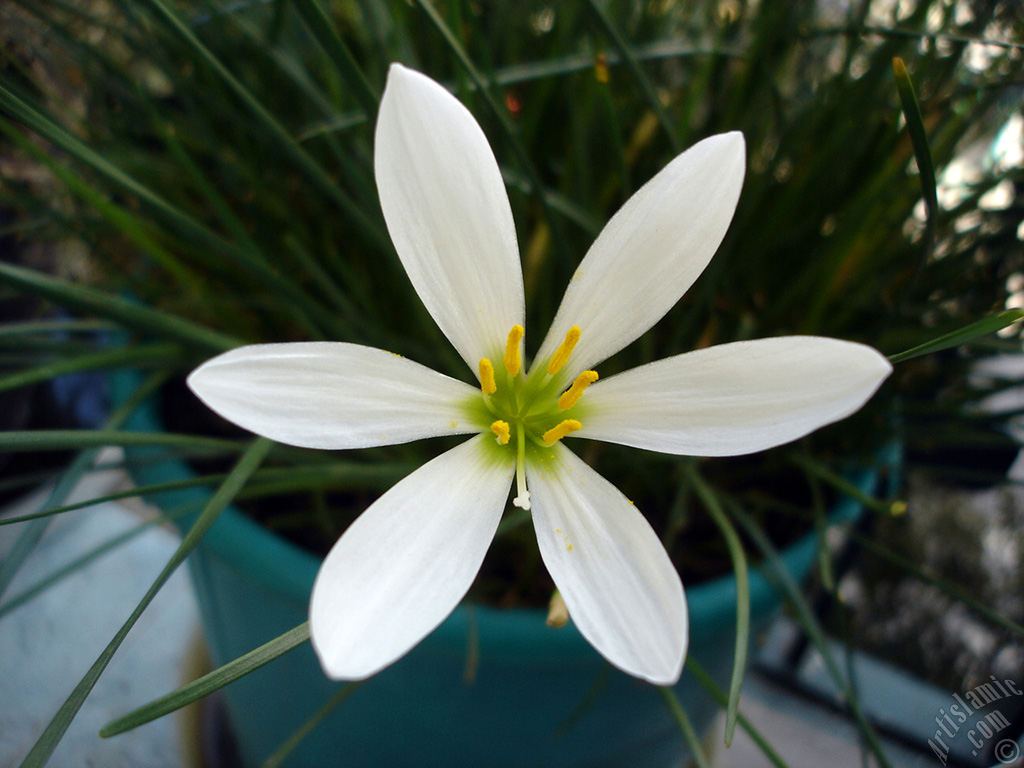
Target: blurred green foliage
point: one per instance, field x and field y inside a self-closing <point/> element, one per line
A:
<point x="215" y="160"/>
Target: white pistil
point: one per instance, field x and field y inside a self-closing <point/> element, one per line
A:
<point x="522" y="500"/>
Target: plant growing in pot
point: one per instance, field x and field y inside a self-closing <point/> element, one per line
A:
<point x="261" y="251"/>
<point x="402" y="567"/>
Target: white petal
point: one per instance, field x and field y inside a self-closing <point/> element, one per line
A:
<point x="446" y="208"/>
<point x="734" y="398"/>
<point x="405" y="563"/>
<point x="650" y="252"/>
<point x="332" y="395"/>
<point x="622" y="591"/>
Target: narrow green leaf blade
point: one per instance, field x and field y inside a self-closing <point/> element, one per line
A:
<point x="843" y="485"/>
<point x="33" y="532"/>
<point x="633" y="64"/>
<point x="46" y="440"/>
<point x="110" y="545"/>
<point x="134" y="316"/>
<point x="964" y="335"/>
<point x="107" y="358"/>
<point x="919" y="138"/>
<point x="955" y="592"/>
<point x="247" y="464"/>
<point x="685" y="726"/>
<point x="167" y="15"/>
<point x="53" y="327"/>
<point x="320" y="25"/>
<point x="130" y="493"/>
<point x="210" y="682"/>
<point x="739" y="565"/>
<point x="281" y="753"/>
<point x="805" y="616"/>
<point x="707" y="682"/>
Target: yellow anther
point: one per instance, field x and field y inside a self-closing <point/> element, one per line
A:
<point x="565" y="349"/>
<point x="513" y="358"/>
<point x="572" y="395"/>
<point x="487" y="383"/>
<point x="555" y="434"/>
<point x="501" y="431"/>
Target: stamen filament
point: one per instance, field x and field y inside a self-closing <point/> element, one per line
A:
<point x="501" y="432"/>
<point x="513" y="357"/>
<point x="572" y="395"/>
<point x="556" y="433"/>
<point x="561" y="356"/>
<point x="487" y="383"/>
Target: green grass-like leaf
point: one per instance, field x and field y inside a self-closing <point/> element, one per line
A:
<point x="132" y="315"/>
<point x="922" y="152"/>
<point x="739" y="565"/>
<point x="82" y="463"/>
<point x="281" y="754"/>
<point x="685" y="727"/>
<point x="71" y="568"/>
<point x="141" y="355"/>
<point x="965" y="335"/>
<point x="56" y="439"/>
<point x="210" y="682"/>
<point x="805" y="617"/>
<point x="708" y="683"/>
<point x="323" y="29"/>
<point x="40" y="753"/>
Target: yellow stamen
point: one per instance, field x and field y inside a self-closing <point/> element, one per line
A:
<point x="556" y="433"/>
<point x="573" y="394"/>
<point x="487" y="383"/>
<point x="501" y="431"/>
<point x="513" y="358"/>
<point x="564" y="350"/>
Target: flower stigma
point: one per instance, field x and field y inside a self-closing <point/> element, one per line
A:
<point x="530" y="411"/>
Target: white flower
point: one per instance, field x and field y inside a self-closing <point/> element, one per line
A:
<point x="408" y="560"/>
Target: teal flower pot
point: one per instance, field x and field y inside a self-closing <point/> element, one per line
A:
<point x="489" y="687"/>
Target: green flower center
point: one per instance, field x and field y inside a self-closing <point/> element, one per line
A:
<point x="534" y="410"/>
